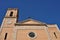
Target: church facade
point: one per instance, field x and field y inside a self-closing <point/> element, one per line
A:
<point x="28" y="29"/>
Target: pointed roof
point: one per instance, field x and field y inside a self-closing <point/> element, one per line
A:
<point x="31" y="21"/>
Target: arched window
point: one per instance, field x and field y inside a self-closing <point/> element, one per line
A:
<point x="11" y="14"/>
<point x="55" y="34"/>
<point x="5" y="36"/>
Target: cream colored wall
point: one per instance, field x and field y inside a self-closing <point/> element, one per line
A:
<point x="51" y="32"/>
<point x="7" y="20"/>
<point x="40" y="34"/>
<point x="9" y="35"/>
<point x="22" y="32"/>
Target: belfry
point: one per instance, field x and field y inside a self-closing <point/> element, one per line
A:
<point x="28" y="29"/>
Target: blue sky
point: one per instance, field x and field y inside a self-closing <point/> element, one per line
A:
<point x="43" y="10"/>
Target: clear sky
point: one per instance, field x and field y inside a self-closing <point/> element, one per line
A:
<point x="43" y="10"/>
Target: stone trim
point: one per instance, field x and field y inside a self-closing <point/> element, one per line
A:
<point x="12" y="8"/>
<point x="46" y="29"/>
<point x="30" y="24"/>
<point x="14" y="34"/>
<point x="57" y="28"/>
<point x="29" y="27"/>
<point x="54" y="26"/>
<point x="9" y="17"/>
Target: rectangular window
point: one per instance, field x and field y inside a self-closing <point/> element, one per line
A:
<point x="5" y="36"/>
<point x="55" y="34"/>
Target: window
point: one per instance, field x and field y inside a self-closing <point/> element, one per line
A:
<point x="31" y="34"/>
<point x="5" y="36"/>
<point x="55" y="34"/>
<point x="11" y="14"/>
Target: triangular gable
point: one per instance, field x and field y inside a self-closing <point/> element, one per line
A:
<point x="31" y="21"/>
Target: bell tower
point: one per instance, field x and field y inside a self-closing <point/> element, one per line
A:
<point x="11" y="13"/>
<point x="7" y="26"/>
<point x="10" y="17"/>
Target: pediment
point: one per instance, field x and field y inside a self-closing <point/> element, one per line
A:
<point x="31" y="21"/>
